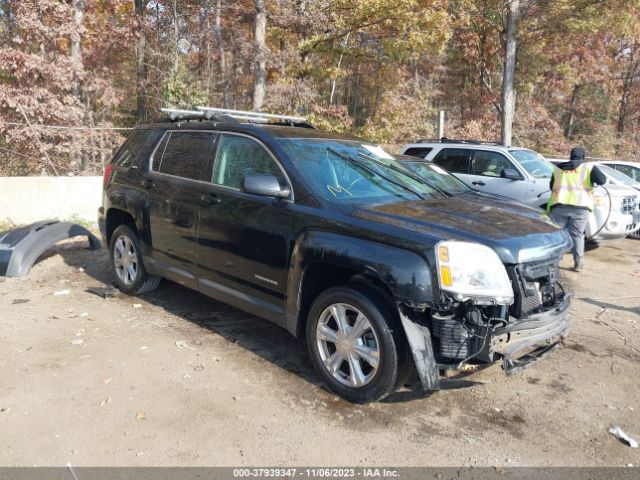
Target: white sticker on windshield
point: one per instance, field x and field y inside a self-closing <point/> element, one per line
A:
<point x="438" y="169"/>
<point x="378" y="151"/>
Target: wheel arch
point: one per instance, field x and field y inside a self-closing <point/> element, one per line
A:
<point x="322" y="259"/>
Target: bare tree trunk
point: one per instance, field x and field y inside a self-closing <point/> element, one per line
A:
<point x="141" y="70"/>
<point x="260" y="82"/>
<point x="223" y="61"/>
<point x="568" y="131"/>
<point x="508" y="78"/>
<point x="76" y="44"/>
<point x="630" y="75"/>
<point x="282" y="42"/>
<point x="333" y="83"/>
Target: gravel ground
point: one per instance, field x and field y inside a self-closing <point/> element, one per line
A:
<point x="175" y="378"/>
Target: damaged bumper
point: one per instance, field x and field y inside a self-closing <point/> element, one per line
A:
<point x="526" y="341"/>
<point x="447" y="343"/>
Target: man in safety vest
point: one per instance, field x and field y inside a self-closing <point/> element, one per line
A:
<point x="571" y="199"/>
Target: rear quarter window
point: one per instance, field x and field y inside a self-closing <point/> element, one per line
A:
<point x="132" y="147"/>
<point x="420" y="152"/>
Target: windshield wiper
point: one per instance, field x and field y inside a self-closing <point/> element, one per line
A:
<point x="406" y="172"/>
<point x="366" y="167"/>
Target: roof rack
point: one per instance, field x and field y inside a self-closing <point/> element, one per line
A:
<point x="249" y="115"/>
<point x="453" y="140"/>
<point x="228" y="115"/>
<point x="176" y="114"/>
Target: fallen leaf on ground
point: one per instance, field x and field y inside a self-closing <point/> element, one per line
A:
<point x="136" y="305"/>
<point x="141" y="415"/>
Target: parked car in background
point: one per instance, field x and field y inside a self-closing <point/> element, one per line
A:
<point x="617" y="177"/>
<point x="523" y="175"/>
<point x="513" y="172"/>
<point x="384" y="273"/>
<point x="631" y="169"/>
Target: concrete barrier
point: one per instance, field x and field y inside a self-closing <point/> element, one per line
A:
<point x="29" y="199"/>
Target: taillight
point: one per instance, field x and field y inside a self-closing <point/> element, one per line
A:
<point x="107" y="175"/>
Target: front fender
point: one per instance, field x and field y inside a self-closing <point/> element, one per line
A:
<point x="405" y="273"/>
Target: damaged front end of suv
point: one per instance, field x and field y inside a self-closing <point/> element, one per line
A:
<point x="487" y="311"/>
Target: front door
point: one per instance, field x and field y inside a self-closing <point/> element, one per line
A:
<point x="243" y="244"/>
<point x="486" y="175"/>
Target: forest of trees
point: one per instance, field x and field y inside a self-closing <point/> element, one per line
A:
<point x="545" y="73"/>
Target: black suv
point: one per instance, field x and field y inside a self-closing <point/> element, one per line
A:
<point x="383" y="272"/>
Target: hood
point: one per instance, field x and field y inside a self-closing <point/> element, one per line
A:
<point x="615" y="190"/>
<point x="516" y="232"/>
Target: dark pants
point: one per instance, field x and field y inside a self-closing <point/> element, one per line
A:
<point x="574" y="220"/>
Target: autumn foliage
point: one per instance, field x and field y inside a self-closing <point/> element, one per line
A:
<point x="381" y="69"/>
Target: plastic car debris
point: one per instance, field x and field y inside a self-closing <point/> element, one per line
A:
<point x="623" y="437"/>
<point x="21" y="247"/>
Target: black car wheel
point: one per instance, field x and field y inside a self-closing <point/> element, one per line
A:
<point x="355" y="344"/>
<point x="126" y="263"/>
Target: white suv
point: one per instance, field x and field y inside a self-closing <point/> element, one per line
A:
<point x="524" y="175"/>
<point x="513" y="172"/>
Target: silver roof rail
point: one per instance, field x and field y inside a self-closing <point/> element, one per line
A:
<point x="210" y="112"/>
<point x="178" y="114"/>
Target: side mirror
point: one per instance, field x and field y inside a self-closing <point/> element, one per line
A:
<point x="265" y="186"/>
<point x="510" y="173"/>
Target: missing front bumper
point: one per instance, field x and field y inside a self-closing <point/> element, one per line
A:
<point x="519" y="344"/>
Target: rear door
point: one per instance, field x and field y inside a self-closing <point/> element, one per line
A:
<point x="486" y="171"/>
<point x="456" y="161"/>
<point x="174" y="184"/>
<point x="243" y="239"/>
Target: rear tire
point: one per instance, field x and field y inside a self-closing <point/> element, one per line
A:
<point x="126" y="263"/>
<point x="355" y="344"/>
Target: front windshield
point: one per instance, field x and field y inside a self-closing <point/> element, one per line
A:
<point x="616" y="175"/>
<point x="350" y="171"/>
<point x="533" y="162"/>
<point x="438" y="176"/>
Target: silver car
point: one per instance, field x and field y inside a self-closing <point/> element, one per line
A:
<point x="523" y="174"/>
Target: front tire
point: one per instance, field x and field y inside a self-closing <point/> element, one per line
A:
<point x="355" y="344"/>
<point x="126" y="263"/>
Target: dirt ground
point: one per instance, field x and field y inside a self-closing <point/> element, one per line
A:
<point x="175" y="378"/>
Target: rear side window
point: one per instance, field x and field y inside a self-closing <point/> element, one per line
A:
<point x="184" y="154"/>
<point x="456" y="160"/>
<point x="420" y="152"/>
<point x="239" y="156"/>
<point x="490" y="164"/>
<point x="130" y="149"/>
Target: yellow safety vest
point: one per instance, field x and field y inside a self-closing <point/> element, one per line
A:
<point x="572" y="187"/>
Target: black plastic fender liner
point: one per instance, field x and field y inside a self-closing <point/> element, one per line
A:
<point x="419" y="338"/>
<point x="21" y="247"/>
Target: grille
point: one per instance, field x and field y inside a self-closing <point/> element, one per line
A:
<point x="629" y="204"/>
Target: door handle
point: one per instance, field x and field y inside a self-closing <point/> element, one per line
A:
<point x="147" y="183"/>
<point x="210" y="199"/>
<point x="479" y="183"/>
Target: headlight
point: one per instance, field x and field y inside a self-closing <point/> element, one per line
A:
<point x="470" y="271"/>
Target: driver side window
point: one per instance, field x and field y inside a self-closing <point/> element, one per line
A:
<point x="489" y="164"/>
<point x="239" y="156"/>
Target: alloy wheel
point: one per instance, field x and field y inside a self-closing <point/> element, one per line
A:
<point x="125" y="260"/>
<point x="348" y="345"/>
